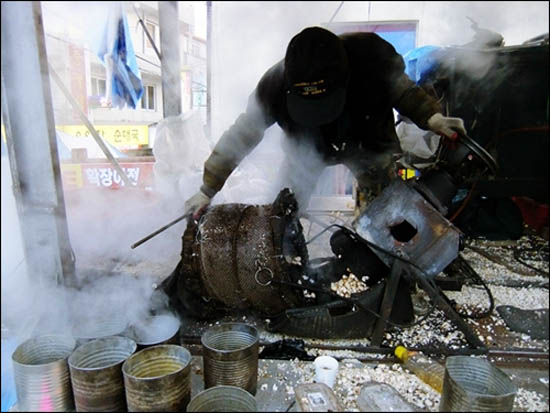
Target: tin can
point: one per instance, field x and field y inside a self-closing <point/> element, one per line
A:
<point x="475" y="385"/>
<point x="223" y="399"/>
<point x="230" y="356"/>
<point x="89" y="330"/>
<point x="96" y="374"/>
<point x="155" y="330"/>
<point x="158" y="378"/>
<point x="41" y="372"/>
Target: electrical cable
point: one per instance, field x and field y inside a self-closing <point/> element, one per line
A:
<point x="467" y="270"/>
<point x="320" y="233"/>
<point x="498" y="260"/>
<point x="519" y="259"/>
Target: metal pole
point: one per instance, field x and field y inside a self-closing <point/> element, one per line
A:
<point x="151" y="40"/>
<point x="387" y="303"/>
<point x="90" y="127"/>
<point x="336" y="12"/>
<point x="32" y="144"/>
<point x="158" y="231"/>
<point x="170" y="57"/>
<point x="209" y="70"/>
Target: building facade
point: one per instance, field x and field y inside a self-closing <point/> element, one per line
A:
<point x="85" y="75"/>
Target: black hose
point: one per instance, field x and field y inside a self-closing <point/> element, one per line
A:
<point x="519" y="259"/>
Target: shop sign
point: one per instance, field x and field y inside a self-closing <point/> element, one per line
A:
<point x="121" y="136"/>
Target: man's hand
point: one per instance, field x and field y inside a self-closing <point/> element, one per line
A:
<point x="446" y="126"/>
<point x="197" y="203"/>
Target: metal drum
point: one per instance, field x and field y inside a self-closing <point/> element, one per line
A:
<point x="223" y="399"/>
<point x="154" y="330"/>
<point x="41" y="372"/>
<point x="96" y="374"/>
<point x="236" y="254"/>
<point x="230" y="355"/>
<point x="475" y="385"/>
<point x="158" y="379"/>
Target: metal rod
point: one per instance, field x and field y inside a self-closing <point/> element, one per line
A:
<point x="158" y="231"/>
<point x="209" y="70"/>
<point x="387" y="303"/>
<point x="336" y="12"/>
<point x="90" y="127"/>
<point x="448" y="310"/>
<point x="538" y="354"/>
<point x="151" y="40"/>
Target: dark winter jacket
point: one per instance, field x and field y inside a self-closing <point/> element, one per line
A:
<point x="377" y="85"/>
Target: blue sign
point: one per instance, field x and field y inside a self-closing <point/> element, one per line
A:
<point x="401" y="34"/>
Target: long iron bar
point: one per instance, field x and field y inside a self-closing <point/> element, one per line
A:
<point x="158" y="231"/>
<point x="538" y="354"/>
<point x="90" y="127"/>
<point x="151" y="40"/>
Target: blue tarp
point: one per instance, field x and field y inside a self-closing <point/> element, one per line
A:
<point x="421" y="62"/>
<point x="116" y="44"/>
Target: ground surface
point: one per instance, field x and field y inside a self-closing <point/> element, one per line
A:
<point x="511" y="282"/>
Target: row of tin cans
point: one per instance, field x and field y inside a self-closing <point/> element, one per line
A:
<point x="53" y="373"/>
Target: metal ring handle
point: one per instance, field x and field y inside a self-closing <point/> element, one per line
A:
<point x="260" y="270"/>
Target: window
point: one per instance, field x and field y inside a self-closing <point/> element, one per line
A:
<point x="195" y="50"/>
<point x="98" y="87"/>
<point x="185" y="44"/>
<point x="185" y="28"/>
<point x="148" y="98"/>
<point x="151" y="28"/>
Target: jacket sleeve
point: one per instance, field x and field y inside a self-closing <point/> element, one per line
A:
<point x="235" y="144"/>
<point x="409" y="99"/>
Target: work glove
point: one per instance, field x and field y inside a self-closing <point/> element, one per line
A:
<point x="446" y="126"/>
<point x="197" y="203"/>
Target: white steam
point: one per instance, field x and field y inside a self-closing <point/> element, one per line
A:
<point x="249" y="37"/>
<point x="112" y="280"/>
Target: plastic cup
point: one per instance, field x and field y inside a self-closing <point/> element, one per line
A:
<point x="326" y="369"/>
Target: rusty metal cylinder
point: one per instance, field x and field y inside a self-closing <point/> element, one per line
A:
<point x="41" y="372"/>
<point x="158" y="378"/>
<point x="230" y="356"/>
<point x="475" y="385"/>
<point x="96" y="374"/>
<point x="223" y="399"/>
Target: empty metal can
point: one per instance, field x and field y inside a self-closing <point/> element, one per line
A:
<point x="475" y="385"/>
<point x="92" y="329"/>
<point x="230" y="355"/>
<point x="154" y="330"/>
<point x="41" y="372"/>
<point x="223" y="399"/>
<point x="158" y="378"/>
<point x="96" y="374"/>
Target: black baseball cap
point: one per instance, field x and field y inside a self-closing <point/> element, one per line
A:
<point x="316" y="74"/>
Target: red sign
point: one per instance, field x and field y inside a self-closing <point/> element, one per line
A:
<point x="104" y="175"/>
